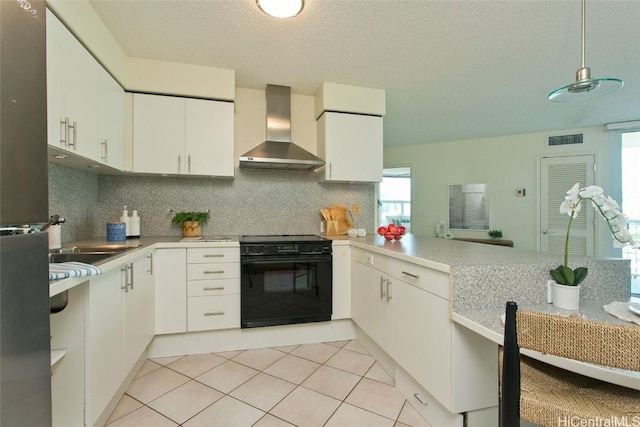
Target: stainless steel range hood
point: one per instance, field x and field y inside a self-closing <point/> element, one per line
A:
<point x="278" y="152"/>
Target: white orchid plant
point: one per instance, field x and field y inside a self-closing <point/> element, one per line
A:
<point x="610" y="211"/>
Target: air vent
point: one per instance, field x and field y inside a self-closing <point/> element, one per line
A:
<point x="565" y="139"/>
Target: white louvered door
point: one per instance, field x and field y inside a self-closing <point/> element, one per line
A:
<point x="557" y="175"/>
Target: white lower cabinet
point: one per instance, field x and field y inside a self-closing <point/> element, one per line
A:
<point x="341" y="281"/>
<point x="119" y="327"/>
<point x="405" y="309"/>
<point x="213" y="289"/>
<point x="197" y="289"/>
<point x="171" y="290"/>
<point x="105" y="342"/>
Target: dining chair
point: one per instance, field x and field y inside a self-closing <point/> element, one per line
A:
<point x="549" y="396"/>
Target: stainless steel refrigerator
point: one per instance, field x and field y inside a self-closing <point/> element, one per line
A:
<point x="25" y="371"/>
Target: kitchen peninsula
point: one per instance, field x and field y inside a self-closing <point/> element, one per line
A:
<point x="427" y="309"/>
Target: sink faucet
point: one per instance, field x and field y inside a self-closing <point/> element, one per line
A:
<point x="54" y="220"/>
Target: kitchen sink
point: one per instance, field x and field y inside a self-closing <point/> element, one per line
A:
<point x="89" y="254"/>
<point x="86" y="257"/>
<point x="108" y="248"/>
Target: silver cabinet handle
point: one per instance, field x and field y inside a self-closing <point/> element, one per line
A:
<point x="213" y="255"/>
<point x="330" y="170"/>
<point x="388" y="290"/>
<point x="189" y="163"/>
<point x="213" y="271"/>
<point x="381" y="287"/>
<point x="419" y="399"/>
<point x="415" y="276"/>
<point x="213" y="288"/>
<point x="64" y="131"/>
<point x="214" y="313"/>
<point x="124" y="269"/>
<point x="105" y="150"/>
<point x="150" y="258"/>
<point x="179" y="163"/>
<point x="74" y="144"/>
<point x="130" y="267"/>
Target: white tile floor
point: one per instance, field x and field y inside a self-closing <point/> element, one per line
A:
<point x="327" y="384"/>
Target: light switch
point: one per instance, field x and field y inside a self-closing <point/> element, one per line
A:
<point x="521" y="192"/>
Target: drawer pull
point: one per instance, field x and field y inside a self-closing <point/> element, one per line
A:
<point x="214" y="313"/>
<point x="213" y="255"/>
<point x="213" y="288"/>
<point x="213" y="272"/>
<point x="419" y="399"/>
<point x="415" y="276"/>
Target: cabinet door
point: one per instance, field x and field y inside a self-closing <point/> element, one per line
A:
<point x="422" y="339"/>
<point x="209" y="138"/>
<point x="341" y="282"/>
<point x="171" y="290"/>
<point x="105" y="342"/>
<point x="158" y="134"/>
<point x="139" y="309"/>
<point x="352" y="147"/>
<point x="369" y="305"/>
<point x="57" y="39"/>
<point x="83" y="104"/>
<point x="111" y="116"/>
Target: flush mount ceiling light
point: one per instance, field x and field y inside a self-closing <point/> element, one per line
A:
<point x="585" y="87"/>
<point x="281" y="8"/>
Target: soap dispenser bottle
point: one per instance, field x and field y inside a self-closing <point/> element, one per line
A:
<point x="125" y="218"/>
<point x="135" y="224"/>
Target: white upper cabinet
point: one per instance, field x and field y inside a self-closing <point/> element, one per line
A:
<point x="209" y="137"/>
<point x="158" y="134"/>
<point x="350" y="132"/>
<point x="182" y="136"/>
<point x="112" y="119"/>
<point x="85" y="105"/>
<point x="351" y="146"/>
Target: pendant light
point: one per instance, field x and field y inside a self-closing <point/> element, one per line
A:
<point x="585" y="87"/>
<point x="281" y="8"/>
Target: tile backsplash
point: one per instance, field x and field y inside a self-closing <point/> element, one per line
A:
<point x="257" y="201"/>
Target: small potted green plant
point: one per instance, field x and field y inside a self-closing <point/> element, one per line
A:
<point x="191" y="222"/>
<point x="495" y="234"/>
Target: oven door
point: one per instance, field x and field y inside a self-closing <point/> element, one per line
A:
<point x="281" y="290"/>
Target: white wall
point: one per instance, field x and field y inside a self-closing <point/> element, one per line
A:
<point x="505" y="163"/>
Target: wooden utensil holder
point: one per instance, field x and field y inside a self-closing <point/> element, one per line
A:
<point x="332" y="228"/>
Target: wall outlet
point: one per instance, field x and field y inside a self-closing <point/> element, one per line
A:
<point x="521" y="192"/>
<point x="356" y="209"/>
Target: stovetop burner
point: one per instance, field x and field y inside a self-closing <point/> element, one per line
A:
<point x="275" y="238"/>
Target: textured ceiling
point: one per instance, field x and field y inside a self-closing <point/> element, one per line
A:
<point x="451" y="69"/>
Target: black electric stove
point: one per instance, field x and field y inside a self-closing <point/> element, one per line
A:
<point x="285" y="279"/>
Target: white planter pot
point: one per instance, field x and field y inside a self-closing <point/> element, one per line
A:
<point x="566" y="297"/>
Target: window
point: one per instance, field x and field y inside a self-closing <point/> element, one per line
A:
<point x="394" y="197"/>
<point x="631" y="201"/>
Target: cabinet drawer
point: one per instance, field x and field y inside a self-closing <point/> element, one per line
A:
<point x="216" y="270"/>
<point x="215" y="312"/>
<point x="432" y="281"/>
<point x="201" y="288"/>
<point x="377" y="261"/>
<point x="207" y="255"/>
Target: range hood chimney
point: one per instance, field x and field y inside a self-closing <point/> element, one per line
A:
<point x="278" y="152"/>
